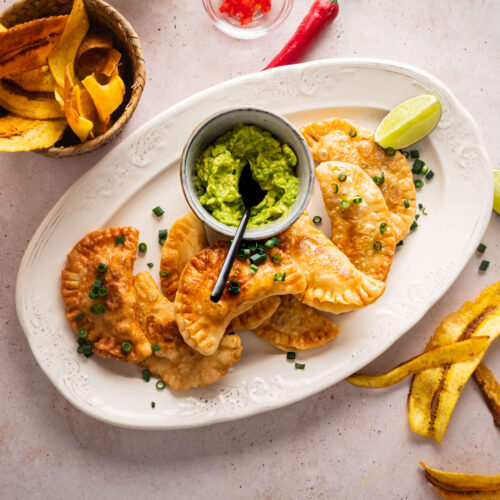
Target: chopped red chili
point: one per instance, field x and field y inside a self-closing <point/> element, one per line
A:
<point x="244" y="9"/>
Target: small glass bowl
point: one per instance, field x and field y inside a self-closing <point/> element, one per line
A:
<point x="261" y="24"/>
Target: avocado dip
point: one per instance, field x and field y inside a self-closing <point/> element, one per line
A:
<point x="273" y="167"/>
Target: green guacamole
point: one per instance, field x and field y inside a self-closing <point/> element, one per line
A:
<point x="273" y="167"/>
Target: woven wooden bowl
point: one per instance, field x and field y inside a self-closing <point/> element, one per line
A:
<point x="125" y="40"/>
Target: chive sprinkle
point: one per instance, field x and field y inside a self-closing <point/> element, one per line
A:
<point x="342" y="177"/>
<point x="78" y="317"/>
<point x="98" y="309"/>
<point x="279" y="277"/>
<point x="383" y="227"/>
<point x="290" y="355"/>
<point x="424" y="170"/>
<point x="353" y="133"/>
<point x="414" y="225"/>
<point x="160" y="385"/>
<point x="390" y="151"/>
<point x="429" y="175"/>
<point x="484" y="265"/>
<point x="83" y="333"/>
<point x="407" y="204"/>
<point x="414" y="153"/>
<point x="257" y="258"/>
<point x="277" y="258"/>
<point x="317" y="219"/>
<point x="336" y="186"/>
<point x="377" y="245"/>
<point x="234" y="283"/>
<point x="155" y="347"/>
<point x="253" y="268"/>
<point x="400" y="244"/>
<point x="419" y="184"/>
<point x="417" y="166"/>
<point x="344" y="204"/>
<point x="268" y="244"/>
<point x="163" y="234"/>
<point x="153" y="404"/>
<point x="143" y="247"/>
<point x="417" y="216"/>
<point x="102" y="268"/>
<point x="120" y="240"/>
<point x="481" y="248"/>
<point x="299" y="366"/>
<point x="164" y="274"/>
<point x="276" y="241"/>
<point x="244" y="253"/>
<point x="150" y="265"/>
<point x="126" y="347"/>
<point x="146" y="375"/>
<point x="158" y="211"/>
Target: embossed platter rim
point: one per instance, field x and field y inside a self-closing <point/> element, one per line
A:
<point x="112" y="193"/>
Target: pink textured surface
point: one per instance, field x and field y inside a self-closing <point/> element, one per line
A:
<point x="342" y="443"/>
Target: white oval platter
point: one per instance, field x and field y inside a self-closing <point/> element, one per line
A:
<point x="142" y="172"/>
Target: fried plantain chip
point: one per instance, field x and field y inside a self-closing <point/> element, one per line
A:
<point x="35" y="80"/>
<point x="24" y="134"/>
<point x="107" y="97"/>
<point x="65" y="52"/>
<point x="80" y="125"/>
<point x="434" y="392"/>
<point x="40" y="106"/>
<point x="453" y="353"/>
<point x="26" y="46"/>
<point x="490" y="389"/>
<point x="96" y="53"/>
<point x="466" y="484"/>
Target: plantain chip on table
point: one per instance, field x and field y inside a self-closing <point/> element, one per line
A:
<point x="26" y="46"/>
<point x="453" y="485"/>
<point x="490" y="389"/>
<point x="435" y="392"/>
<point x="441" y="356"/>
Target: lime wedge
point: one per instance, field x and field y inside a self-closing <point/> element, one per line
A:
<point x="496" y="196"/>
<point x="409" y="122"/>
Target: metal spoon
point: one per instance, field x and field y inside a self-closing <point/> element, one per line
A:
<point x="251" y="194"/>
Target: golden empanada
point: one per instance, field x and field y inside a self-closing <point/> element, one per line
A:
<point x="201" y="322"/>
<point x="186" y="238"/>
<point x="175" y="362"/>
<point x="255" y="316"/>
<point x="104" y="303"/>
<point x="331" y="140"/>
<point x="362" y="228"/>
<point x="296" y="327"/>
<point x="333" y="283"/>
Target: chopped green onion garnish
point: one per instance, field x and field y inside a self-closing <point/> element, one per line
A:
<point x="257" y="258"/>
<point x="417" y="167"/>
<point x="102" y="268"/>
<point x="155" y="347"/>
<point x="244" y="253"/>
<point x="158" y="211"/>
<point x="79" y="350"/>
<point x="146" y="375"/>
<point x="379" y="180"/>
<point x="97" y="283"/>
<point x="484" y="265"/>
<point x="277" y="258"/>
<point x="342" y="177"/>
<point x="98" y="309"/>
<point x="102" y="292"/>
<point x="252" y="246"/>
<point x="279" y="277"/>
<point x="94" y="293"/>
<point x="429" y="175"/>
<point x="417" y="216"/>
<point x="143" y="247"/>
<point x="290" y="355"/>
<point x="383" y="227"/>
<point x="234" y="283"/>
<point x="357" y="199"/>
<point x="261" y="250"/>
<point x="336" y="186"/>
<point x="400" y="244"/>
<point x="424" y="170"/>
<point x="160" y="385"/>
<point x="377" y="245"/>
<point x="390" y="151"/>
<point x="150" y="265"/>
<point x="353" y="133"/>
<point x="419" y="184"/>
<point x="234" y="291"/>
<point x="163" y="234"/>
<point x="126" y="347"/>
<point x="83" y="333"/>
<point x="420" y="206"/>
<point x="407" y="204"/>
<point x="299" y="366"/>
<point x="344" y="204"/>
<point x="413" y="226"/>
<point x="164" y="274"/>
<point x="268" y="244"/>
<point x="153" y="404"/>
<point x="414" y="153"/>
<point x="253" y="268"/>
<point x="276" y="241"/>
<point x="481" y="248"/>
<point x="317" y="219"/>
<point x="120" y="240"/>
<point x="78" y="317"/>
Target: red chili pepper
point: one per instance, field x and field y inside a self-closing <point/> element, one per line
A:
<point x="320" y="16"/>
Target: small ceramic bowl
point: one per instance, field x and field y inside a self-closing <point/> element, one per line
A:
<point x="261" y="24"/>
<point x="215" y="126"/>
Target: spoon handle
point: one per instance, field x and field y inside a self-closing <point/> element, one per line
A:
<point x="220" y="284"/>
